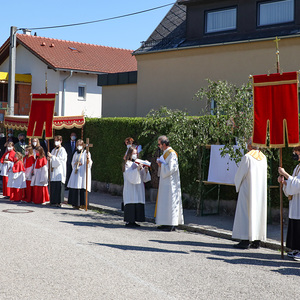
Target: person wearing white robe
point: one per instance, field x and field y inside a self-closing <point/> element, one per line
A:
<point x="77" y="181"/>
<point x="16" y="178"/>
<point x="250" y="221"/>
<point x="58" y="164"/>
<point x="134" y="189"/>
<point x="291" y="188"/>
<point x="39" y="180"/>
<point x="168" y="211"/>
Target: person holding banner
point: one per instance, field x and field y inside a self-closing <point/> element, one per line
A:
<point x="250" y="221"/>
<point x="57" y="164"/>
<point x="134" y="190"/>
<point x="291" y="188"/>
<point x="7" y="157"/>
<point x="39" y="180"/>
<point x="168" y="211"/>
<point x="35" y="143"/>
<point x="77" y="182"/>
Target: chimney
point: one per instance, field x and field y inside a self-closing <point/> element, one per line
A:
<point x="26" y="31"/>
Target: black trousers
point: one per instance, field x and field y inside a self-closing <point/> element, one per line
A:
<point x="134" y="212"/>
<point x="57" y="192"/>
<point x="76" y="197"/>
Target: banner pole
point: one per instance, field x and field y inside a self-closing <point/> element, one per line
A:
<point x="280" y="159"/>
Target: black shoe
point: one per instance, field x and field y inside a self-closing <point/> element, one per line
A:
<point x="243" y="244"/>
<point x="130" y="224"/>
<point x="166" y="228"/>
<point x="255" y="244"/>
<point x="137" y="225"/>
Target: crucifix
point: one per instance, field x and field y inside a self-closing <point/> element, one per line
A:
<point x="87" y="147"/>
<point x="277" y="54"/>
<point x="280" y="158"/>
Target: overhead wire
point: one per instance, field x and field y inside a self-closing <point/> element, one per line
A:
<point x="101" y="20"/>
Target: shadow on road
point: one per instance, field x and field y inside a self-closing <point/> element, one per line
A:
<point x="139" y="248"/>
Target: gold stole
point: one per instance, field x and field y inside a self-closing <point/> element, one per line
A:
<point x="165" y="157"/>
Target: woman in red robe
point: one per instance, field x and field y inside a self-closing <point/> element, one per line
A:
<point x="39" y="180"/>
<point x="29" y="161"/>
<point x="8" y="156"/>
<point x="16" y="178"/>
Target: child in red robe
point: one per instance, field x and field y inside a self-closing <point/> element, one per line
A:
<point x="16" y="178"/>
<point x="29" y="161"/>
<point x="7" y="157"/>
<point x="39" y="180"/>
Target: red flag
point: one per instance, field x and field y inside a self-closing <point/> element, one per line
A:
<point x="275" y="103"/>
<point x="41" y="115"/>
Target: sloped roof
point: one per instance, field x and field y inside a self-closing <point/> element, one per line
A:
<point x="67" y="55"/>
<point x="170" y="33"/>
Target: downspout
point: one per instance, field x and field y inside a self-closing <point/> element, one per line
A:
<point x="64" y="93"/>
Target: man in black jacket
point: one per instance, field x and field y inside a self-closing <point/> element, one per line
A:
<point x="70" y="147"/>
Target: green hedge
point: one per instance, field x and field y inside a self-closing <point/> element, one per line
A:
<point x="107" y="136"/>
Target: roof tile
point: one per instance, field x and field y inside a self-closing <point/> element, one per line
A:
<point x="61" y="54"/>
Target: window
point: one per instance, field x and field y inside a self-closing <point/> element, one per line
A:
<point x="275" y="12"/>
<point x="221" y="20"/>
<point x="81" y="92"/>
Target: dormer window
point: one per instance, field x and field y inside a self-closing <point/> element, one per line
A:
<point x="275" y="12"/>
<point x="221" y="20"/>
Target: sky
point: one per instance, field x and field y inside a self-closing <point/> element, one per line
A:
<point x="127" y="33"/>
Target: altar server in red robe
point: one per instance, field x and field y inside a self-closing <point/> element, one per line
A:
<point x="39" y="180"/>
<point x="8" y="156"/>
<point x="16" y="178"/>
<point x="29" y="161"/>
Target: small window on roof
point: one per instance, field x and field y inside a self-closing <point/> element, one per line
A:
<point x="73" y="49"/>
<point x="221" y="20"/>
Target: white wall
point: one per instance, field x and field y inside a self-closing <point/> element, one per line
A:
<point x="92" y="105"/>
<point x="27" y="63"/>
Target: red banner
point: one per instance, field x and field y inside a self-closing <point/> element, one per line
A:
<point x="275" y="103"/>
<point x="41" y="116"/>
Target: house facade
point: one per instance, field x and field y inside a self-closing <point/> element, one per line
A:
<point x="215" y="39"/>
<point x="69" y="69"/>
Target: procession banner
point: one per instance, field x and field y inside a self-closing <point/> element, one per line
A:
<point x="41" y="115"/>
<point x="275" y="104"/>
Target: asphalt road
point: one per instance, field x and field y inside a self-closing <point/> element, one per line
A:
<point x="61" y="253"/>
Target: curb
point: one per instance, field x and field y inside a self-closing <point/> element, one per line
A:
<point x="273" y="245"/>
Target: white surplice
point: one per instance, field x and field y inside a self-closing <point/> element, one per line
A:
<point x="250" y="221"/>
<point x="169" y="202"/>
<point x="58" y="163"/>
<point x="15" y="180"/>
<point x="134" y="189"/>
<point x="40" y="176"/>
<point x="292" y="188"/>
<point x="78" y="181"/>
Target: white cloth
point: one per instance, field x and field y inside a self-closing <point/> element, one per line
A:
<point x="40" y="176"/>
<point x="169" y="203"/>
<point x="250" y="221"/>
<point x="15" y="180"/>
<point x="78" y="181"/>
<point x="28" y="172"/>
<point x="5" y="166"/>
<point x="134" y="189"/>
<point x="58" y="164"/>
<point x="292" y="188"/>
<point x="221" y="169"/>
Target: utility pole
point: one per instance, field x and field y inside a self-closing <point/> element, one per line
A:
<point x="12" y="69"/>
